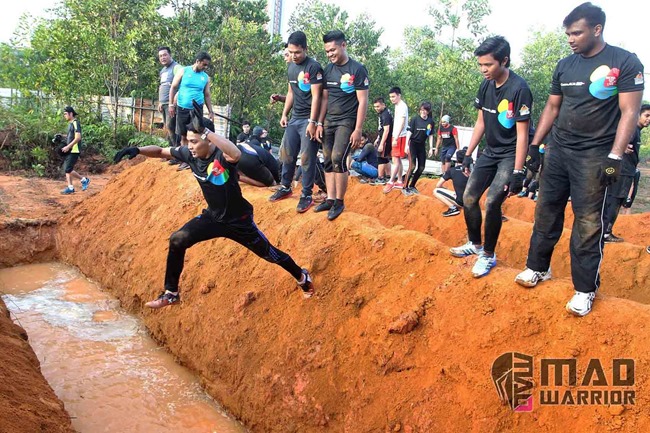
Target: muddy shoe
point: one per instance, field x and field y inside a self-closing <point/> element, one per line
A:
<point x="336" y="210"/>
<point x="67" y="191"/>
<point x="282" y="193"/>
<point x="165" y="299"/>
<point x="324" y="206"/>
<point x="84" y="183"/>
<point x="304" y="204"/>
<point x="611" y="238"/>
<point x="306" y="286"/>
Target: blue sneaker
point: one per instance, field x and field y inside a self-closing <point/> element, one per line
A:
<point x="483" y="265"/>
<point x="67" y="190"/>
<point x="84" y="183"/>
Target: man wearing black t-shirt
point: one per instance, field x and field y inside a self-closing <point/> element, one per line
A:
<point x="384" y="139"/>
<point x="212" y="160"/>
<point x="503" y="102"/>
<point x="341" y="117"/>
<point x="245" y="133"/>
<point x="453" y="199"/>
<point x="420" y="130"/>
<point x="618" y="193"/>
<point x="448" y="136"/>
<point x="303" y="97"/>
<point x="591" y="114"/>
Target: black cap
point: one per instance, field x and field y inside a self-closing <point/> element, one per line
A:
<point x="69" y="109"/>
<point x="257" y="131"/>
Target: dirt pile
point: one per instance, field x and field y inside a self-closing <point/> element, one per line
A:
<point x="29" y="210"/>
<point x="27" y="402"/>
<point x="398" y="338"/>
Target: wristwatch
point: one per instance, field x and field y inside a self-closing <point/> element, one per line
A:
<point x="205" y="134"/>
<point x="518" y="171"/>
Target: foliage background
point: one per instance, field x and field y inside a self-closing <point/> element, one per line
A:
<point x="109" y="47"/>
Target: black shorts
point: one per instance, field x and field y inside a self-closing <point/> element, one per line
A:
<point x="447" y="153"/>
<point x="182" y="120"/>
<point x="381" y="160"/>
<point x="69" y="162"/>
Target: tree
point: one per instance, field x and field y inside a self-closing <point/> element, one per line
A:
<point x="448" y="16"/>
<point x="539" y="58"/>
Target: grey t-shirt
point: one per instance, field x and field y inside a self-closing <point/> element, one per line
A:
<point x="166" y="77"/>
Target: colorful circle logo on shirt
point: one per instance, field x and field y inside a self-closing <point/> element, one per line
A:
<point x="428" y="129"/>
<point x="303" y="81"/>
<point x="506" y="114"/>
<point x="604" y="82"/>
<point x="347" y="83"/>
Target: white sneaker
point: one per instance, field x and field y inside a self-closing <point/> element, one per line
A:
<point x="530" y="278"/>
<point x="483" y="265"/>
<point x="580" y="304"/>
<point x="465" y="250"/>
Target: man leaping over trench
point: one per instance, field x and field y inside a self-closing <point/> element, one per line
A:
<point x="212" y="160"/>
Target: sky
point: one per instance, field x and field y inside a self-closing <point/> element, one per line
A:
<point x="626" y="26"/>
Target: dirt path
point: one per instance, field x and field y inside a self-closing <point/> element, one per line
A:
<point x="399" y="336"/>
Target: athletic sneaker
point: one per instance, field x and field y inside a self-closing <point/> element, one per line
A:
<point x="183" y="166"/>
<point x="307" y="286"/>
<point x="173" y="162"/>
<point x="611" y="238"/>
<point x="388" y="187"/>
<point x="326" y="205"/>
<point x="465" y="250"/>
<point x="84" y="183"/>
<point x="504" y="218"/>
<point x="407" y="191"/>
<point x="380" y="181"/>
<point x="581" y="303"/>
<point x="282" y="193"/>
<point x="304" y="203"/>
<point x="399" y="185"/>
<point x="67" y="190"/>
<point x="452" y="211"/>
<point x="166" y="298"/>
<point x="647" y="249"/>
<point x="530" y="278"/>
<point x="523" y="193"/>
<point x="483" y="265"/>
<point x="414" y="190"/>
<point x="336" y="210"/>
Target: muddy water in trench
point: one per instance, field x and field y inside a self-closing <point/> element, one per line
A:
<point x="100" y="361"/>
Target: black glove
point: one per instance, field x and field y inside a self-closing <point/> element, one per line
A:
<point x="467" y="162"/>
<point x="609" y="171"/>
<point x="532" y="159"/>
<point x="196" y="115"/>
<point x="131" y="152"/>
<point x="516" y="183"/>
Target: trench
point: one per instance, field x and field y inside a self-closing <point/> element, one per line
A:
<point x="100" y="360"/>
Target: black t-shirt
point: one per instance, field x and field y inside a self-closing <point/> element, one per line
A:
<point x="458" y="178"/>
<point x="385" y="118"/>
<point x="502" y="108"/>
<point x="219" y="182"/>
<point x="242" y="137"/>
<point x="341" y="83"/>
<point x="631" y="160"/>
<point x="421" y="129"/>
<point x="447" y="134"/>
<point x="589" y="113"/>
<point x="301" y="78"/>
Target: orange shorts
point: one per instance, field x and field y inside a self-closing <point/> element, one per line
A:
<point x="398" y="149"/>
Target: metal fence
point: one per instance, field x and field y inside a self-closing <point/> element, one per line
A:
<point x="141" y="112"/>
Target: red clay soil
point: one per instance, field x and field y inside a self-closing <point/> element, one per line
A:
<point x="29" y="210"/>
<point x="27" y="402"/>
<point x="399" y="336"/>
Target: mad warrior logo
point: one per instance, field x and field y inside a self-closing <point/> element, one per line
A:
<point x="512" y="374"/>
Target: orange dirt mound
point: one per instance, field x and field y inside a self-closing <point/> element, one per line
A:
<point x="27" y="402"/>
<point x="398" y="338"/>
